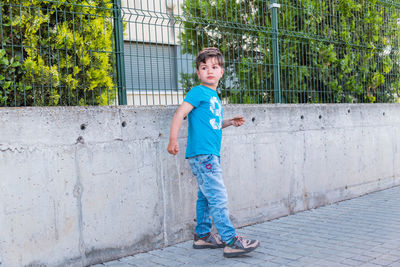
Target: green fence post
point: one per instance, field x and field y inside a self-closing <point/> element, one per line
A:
<point x="1" y="25"/>
<point x="119" y="53"/>
<point x="275" y="50"/>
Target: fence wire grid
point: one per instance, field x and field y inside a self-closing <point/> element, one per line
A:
<point x="141" y="52"/>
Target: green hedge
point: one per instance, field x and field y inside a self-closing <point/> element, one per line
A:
<point x="56" y="53"/>
<point x="329" y="51"/>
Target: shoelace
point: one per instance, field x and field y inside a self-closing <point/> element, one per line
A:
<point x="242" y="240"/>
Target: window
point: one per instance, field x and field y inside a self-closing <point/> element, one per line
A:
<point x="150" y="67"/>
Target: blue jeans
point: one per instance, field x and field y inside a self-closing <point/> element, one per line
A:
<point x="212" y="197"/>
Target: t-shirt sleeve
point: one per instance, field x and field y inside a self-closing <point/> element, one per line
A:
<point x="194" y="96"/>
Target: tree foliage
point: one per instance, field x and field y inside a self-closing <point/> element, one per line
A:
<point x="329" y="51"/>
<point x="56" y="53"/>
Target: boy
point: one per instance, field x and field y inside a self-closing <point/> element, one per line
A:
<point x="203" y="153"/>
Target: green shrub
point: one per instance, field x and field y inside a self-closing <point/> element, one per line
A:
<point x="56" y="53"/>
<point x="329" y="51"/>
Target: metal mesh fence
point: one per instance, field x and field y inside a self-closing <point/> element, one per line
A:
<point x="339" y="51"/>
<point x="294" y="51"/>
<point x="56" y="53"/>
<point x="142" y="52"/>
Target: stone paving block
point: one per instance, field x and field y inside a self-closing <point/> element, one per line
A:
<point x="330" y="251"/>
<point x="145" y="263"/>
<point x="351" y="262"/>
<point x="207" y="257"/>
<point x="272" y="250"/>
<point x="315" y="244"/>
<point x="361" y="246"/>
<point x="384" y="260"/>
<point x="369" y="245"/>
<point x="258" y="255"/>
<point x="334" y="258"/>
<point x="369" y="265"/>
<point x="230" y="263"/>
<point x="289" y="256"/>
<point x="395" y="252"/>
<point x="278" y="246"/>
<point x="185" y="260"/>
<point x="161" y="253"/>
<point x="117" y="264"/>
<point x="327" y="263"/>
<point x="264" y="249"/>
<point x="303" y="252"/>
<point x="320" y="255"/>
<point x="336" y="264"/>
<point x="281" y="261"/>
<point x="344" y="246"/>
<point x="247" y="231"/>
<point x="249" y="260"/>
<point x="382" y="238"/>
<point x="348" y="254"/>
<point x="187" y="244"/>
<point x="140" y="262"/>
<point x="390" y="257"/>
<point x="174" y="249"/>
<point x="268" y="264"/>
<point x="362" y="258"/>
<point x="381" y="262"/>
<point x="182" y="253"/>
<point x="282" y="241"/>
<point x="372" y="254"/>
<point x="174" y="257"/>
<point x="140" y="256"/>
<point x="200" y="254"/>
<point x="295" y="264"/>
<point x="299" y="251"/>
<point x="127" y="259"/>
<point x="165" y="261"/>
<point x="307" y="260"/>
<point x="381" y="249"/>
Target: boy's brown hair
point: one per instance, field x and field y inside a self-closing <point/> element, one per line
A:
<point x="207" y="53"/>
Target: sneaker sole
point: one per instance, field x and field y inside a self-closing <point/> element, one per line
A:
<point x="205" y="246"/>
<point x="237" y="254"/>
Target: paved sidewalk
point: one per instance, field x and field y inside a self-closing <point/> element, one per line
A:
<point x="360" y="232"/>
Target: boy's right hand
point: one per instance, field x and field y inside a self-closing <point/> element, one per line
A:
<point x="180" y="113"/>
<point x="173" y="147"/>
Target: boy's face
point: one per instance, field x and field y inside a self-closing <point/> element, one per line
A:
<point x="210" y="72"/>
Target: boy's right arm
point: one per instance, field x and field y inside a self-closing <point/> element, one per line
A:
<point x="182" y="111"/>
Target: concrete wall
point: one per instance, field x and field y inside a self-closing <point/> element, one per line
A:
<point x="84" y="185"/>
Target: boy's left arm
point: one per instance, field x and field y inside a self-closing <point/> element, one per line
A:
<point x="235" y="121"/>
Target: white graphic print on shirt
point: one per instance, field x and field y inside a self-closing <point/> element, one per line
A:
<point x="216" y="109"/>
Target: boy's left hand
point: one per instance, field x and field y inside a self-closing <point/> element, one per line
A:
<point x="238" y="121"/>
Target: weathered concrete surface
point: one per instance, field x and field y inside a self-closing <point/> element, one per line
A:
<point x="85" y="185"/>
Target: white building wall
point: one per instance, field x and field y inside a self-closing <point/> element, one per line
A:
<point x="152" y="56"/>
<point x="151" y="21"/>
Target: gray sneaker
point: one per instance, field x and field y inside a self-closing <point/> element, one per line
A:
<point x="240" y="246"/>
<point x="209" y="241"/>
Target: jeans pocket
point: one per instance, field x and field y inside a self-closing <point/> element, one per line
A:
<point x="208" y="164"/>
<point x="201" y="164"/>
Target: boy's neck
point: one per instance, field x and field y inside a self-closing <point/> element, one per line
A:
<point x="213" y="87"/>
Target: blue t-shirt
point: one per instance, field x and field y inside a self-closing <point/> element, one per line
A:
<point x="205" y="122"/>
